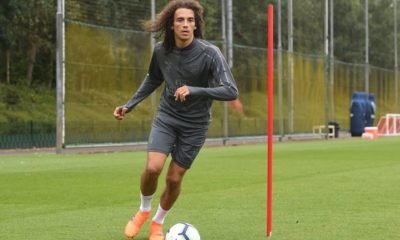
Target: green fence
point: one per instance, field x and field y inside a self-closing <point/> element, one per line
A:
<point x="107" y="56"/>
<point x="29" y="134"/>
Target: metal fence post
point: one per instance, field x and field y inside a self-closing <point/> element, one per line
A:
<point x="60" y="135"/>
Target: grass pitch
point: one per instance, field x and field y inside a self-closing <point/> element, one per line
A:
<point x="336" y="189"/>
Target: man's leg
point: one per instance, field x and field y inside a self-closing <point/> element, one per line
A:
<point x="154" y="166"/>
<point x="148" y="186"/>
<point x="168" y="197"/>
<point x="173" y="185"/>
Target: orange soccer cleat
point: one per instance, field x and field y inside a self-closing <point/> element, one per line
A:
<point x="156" y="232"/>
<point x="133" y="226"/>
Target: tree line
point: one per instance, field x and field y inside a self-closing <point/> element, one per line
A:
<point x="27" y="42"/>
<point x="28" y="30"/>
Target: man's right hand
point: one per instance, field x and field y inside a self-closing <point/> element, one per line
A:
<point x="119" y="112"/>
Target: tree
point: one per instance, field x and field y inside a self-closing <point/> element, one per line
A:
<point x="349" y="25"/>
<point x="7" y="34"/>
<point x="35" y="29"/>
<point x="381" y="37"/>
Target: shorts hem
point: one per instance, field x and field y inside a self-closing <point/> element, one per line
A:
<point x="181" y="165"/>
<point x="158" y="151"/>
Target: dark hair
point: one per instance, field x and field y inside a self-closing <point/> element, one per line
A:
<point x="165" y="19"/>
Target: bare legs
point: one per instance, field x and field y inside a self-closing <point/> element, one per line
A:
<point x="148" y="186"/>
<point x="149" y="179"/>
<point x="173" y="185"/>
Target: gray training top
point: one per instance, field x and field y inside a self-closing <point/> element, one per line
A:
<point x="201" y="67"/>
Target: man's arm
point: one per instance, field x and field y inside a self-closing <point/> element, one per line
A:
<point x="221" y="93"/>
<point x="151" y="82"/>
<point x="146" y="88"/>
<point x="226" y="88"/>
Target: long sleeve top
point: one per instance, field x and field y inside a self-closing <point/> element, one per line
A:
<point x="200" y="66"/>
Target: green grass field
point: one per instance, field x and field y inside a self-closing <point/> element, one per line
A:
<point x="337" y="189"/>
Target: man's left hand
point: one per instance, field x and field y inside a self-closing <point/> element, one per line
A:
<point x="181" y="93"/>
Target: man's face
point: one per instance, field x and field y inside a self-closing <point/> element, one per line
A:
<point x="183" y="26"/>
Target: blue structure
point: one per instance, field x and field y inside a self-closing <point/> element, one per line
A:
<point x="362" y="112"/>
<point x="371" y="110"/>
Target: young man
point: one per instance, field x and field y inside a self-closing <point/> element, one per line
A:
<point x="195" y="73"/>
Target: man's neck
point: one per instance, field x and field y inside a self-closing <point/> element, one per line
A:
<point x="183" y="44"/>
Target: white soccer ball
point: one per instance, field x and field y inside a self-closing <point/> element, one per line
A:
<point x="182" y="231"/>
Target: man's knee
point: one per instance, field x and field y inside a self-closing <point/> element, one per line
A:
<point x="152" y="171"/>
<point x="174" y="180"/>
<point x="155" y="164"/>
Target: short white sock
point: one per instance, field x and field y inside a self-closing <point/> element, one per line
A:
<point x="160" y="215"/>
<point x="145" y="204"/>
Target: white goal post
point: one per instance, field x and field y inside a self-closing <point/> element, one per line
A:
<point x="389" y="125"/>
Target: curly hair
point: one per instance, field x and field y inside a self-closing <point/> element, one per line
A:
<point x="165" y="19"/>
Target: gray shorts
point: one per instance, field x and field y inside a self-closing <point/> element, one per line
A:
<point x="176" y="137"/>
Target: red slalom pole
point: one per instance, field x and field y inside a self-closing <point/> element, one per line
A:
<point x="270" y="12"/>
